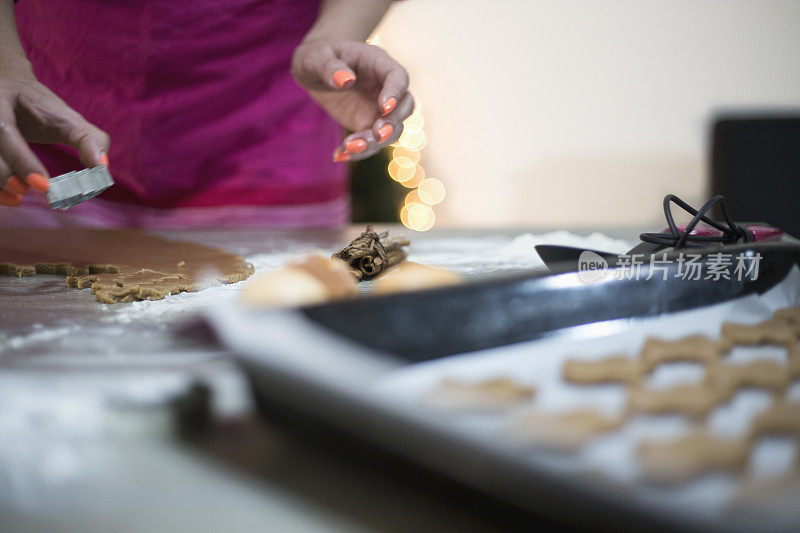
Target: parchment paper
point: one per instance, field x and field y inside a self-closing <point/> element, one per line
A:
<point x="613" y="457"/>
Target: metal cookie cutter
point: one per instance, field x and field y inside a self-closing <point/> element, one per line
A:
<point x="72" y="188"/>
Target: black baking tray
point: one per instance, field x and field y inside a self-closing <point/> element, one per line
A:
<point x="435" y="323"/>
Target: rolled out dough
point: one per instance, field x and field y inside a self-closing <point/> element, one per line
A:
<point x="118" y="265"/>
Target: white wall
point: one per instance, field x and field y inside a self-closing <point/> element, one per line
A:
<point x="584" y="112"/>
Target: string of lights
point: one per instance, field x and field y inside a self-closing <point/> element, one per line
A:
<point x="405" y="168"/>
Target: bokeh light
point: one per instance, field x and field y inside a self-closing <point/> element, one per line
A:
<point x="405" y="168"/>
<point x="414" y="141"/>
<point x="402" y="169"/>
<point x="416" y="216"/>
<point x="399" y="151"/>
<point x="413" y="198"/>
<point x="414" y="123"/>
<point x="416" y="178"/>
<point x="431" y="191"/>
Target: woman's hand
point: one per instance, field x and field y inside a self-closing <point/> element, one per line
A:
<point x="30" y="112"/>
<point x="361" y="87"/>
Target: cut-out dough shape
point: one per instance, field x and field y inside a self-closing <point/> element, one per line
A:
<point x="566" y="431"/>
<point x="617" y="369"/>
<point x="697" y="453"/>
<point x="489" y="394"/>
<point x="695" y="348"/>
<point x="760" y="374"/>
<point x="782" y="417"/>
<point x="693" y="400"/>
<point x="773" y="331"/>
<point x="789" y="316"/>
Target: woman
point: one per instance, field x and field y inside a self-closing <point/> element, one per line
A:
<point x="208" y="126"/>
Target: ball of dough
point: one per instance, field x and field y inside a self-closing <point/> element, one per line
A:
<point x="411" y="276"/>
<point x="284" y="288"/>
<point x="333" y="273"/>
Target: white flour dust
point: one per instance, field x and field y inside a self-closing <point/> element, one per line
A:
<point x="472" y="257"/>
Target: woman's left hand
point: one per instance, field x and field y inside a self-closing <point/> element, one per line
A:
<point x="361" y="87"/>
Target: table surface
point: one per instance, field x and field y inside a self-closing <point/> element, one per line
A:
<point x="89" y="435"/>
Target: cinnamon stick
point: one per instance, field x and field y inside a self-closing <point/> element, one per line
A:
<point x="373" y="253"/>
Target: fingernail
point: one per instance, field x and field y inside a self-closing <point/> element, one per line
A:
<point x="14" y="185"/>
<point x="388" y="105"/>
<point x="341" y="157"/>
<point x="356" y="146"/>
<point x="10" y="200"/>
<point x="104" y="159"/>
<point x="385" y="132"/>
<point x="38" y="182"/>
<point x="344" y="78"/>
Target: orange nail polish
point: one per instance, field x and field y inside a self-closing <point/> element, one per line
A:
<point x="385" y="132"/>
<point x="14" y="185"/>
<point x="38" y="182"/>
<point x="388" y="105"/>
<point x="356" y="146"/>
<point x="104" y="159"/>
<point x="10" y="200"/>
<point x="341" y="157"/>
<point x="344" y="78"/>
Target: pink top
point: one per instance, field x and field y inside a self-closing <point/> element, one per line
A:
<point x="207" y="125"/>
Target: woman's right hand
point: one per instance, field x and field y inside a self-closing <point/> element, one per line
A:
<point x="32" y="113"/>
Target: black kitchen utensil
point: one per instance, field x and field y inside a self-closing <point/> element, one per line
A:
<point x="566" y="258"/>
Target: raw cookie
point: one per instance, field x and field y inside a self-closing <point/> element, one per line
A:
<point x="414" y="277"/>
<point x="312" y="280"/>
<point x="567" y="431"/>
<point x="790" y="316"/>
<point x="779" y="331"/>
<point x="617" y="369"/>
<point x="760" y="374"/>
<point x="693" y="400"/>
<point x="695" y="348"/>
<point x="772" y="331"/>
<point x="489" y="394"/>
<point x="697" y="453"/>
<point x="118" y="265"/>
<point x="782" y="417"/>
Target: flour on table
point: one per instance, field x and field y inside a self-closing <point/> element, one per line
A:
<point x="472" y="257"/>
